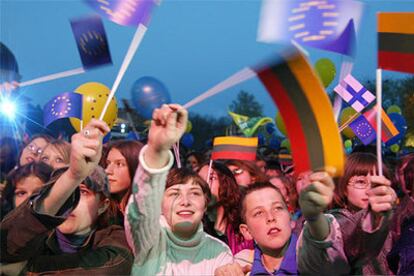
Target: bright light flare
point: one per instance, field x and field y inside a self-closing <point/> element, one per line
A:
<point x="8" y="108"/>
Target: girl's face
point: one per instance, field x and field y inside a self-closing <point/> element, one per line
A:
<point x="53" y="157"/>
<point x="243" y="177"/>
<point x="82" y="219"/>
<point x="32" y="151"/>
<point x="302" y="181"/>
<point x="213" y="182"/>
<point x="117" y="171"/>
<point x="183" y="206"/>
<point x="356" y="191"/>
<point x="25" y="188"/>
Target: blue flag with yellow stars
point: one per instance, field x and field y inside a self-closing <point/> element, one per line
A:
<point x="91" y="40"/>
<point x="363" y="130"/>
<point x="65" y="105"/>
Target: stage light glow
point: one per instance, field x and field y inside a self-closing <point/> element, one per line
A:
<point x="8" y="109"/>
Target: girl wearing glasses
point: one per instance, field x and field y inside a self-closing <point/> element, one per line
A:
<point x="34" y="149"/>
<point x="362" y="194"/>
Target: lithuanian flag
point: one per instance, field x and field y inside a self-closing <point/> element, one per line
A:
<point x="307" y="113"/>
<point x="233" y="147"/>
<point x="396" y="41"/>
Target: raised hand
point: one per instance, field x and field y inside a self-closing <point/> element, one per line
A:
<point x="86" y="149"/>
<point x="381" y="196"/>
<point x="168" y="125"/>
<point x="315" y="198"/>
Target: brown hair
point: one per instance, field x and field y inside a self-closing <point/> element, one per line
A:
<point x="249" y="166"/>
<point x="358" y="163"/>
<point x="229" y="193"/>
<point x="183" y="175"/>
<point x="405" y="174"/>
<point x="62" y="147"/>
<point x="130" y="150"/>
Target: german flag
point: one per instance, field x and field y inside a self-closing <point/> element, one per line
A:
<point x="232" y="147"/>
<point x="306" y="111"/>
<point x="396" y="41"/>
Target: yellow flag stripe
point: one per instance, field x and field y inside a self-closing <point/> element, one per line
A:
<point x="396" y="22"/>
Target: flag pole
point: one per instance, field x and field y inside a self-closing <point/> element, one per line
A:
<point x="136" y="41"/>
<point x="379" y="125"/>
<point x="55" y="76"/>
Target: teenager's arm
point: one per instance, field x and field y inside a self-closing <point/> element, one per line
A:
<point x="144" y="208"/>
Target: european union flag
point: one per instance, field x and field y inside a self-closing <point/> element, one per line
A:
<point x="91" y="40"/>
<point x="65" y="105"/>
<point x="363" y="130"/>
<point x="125" y="12"/>
<point x="324" y="24"/>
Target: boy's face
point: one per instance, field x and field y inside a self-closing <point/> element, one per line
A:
<point x="84" y="216"/>
<point x="267" y="220"/>
<point x="183" y="206"/>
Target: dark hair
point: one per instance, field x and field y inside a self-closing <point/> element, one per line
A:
<point x="197" y="155"/>
<point x="252" y="188"/>
<point x="130" y="150"/>
<point x="249" y="166"/>
<point x="38" y="169"/>
<point x="229" y="193"/>
<point x="183" y="175"/>
<point x="10" y="160"/>
<point x="291" y="190"/>
<point x="405" y="174"/>
<point x="357" y="163"/>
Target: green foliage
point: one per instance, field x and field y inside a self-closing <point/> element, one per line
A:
<point x="246" y="104"/>
<point x="398" y="92"/>
<point x="206" y="128"/>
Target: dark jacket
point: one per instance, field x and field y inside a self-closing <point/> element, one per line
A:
<point x="27" y="235"/>
<point x="366" y="250"/>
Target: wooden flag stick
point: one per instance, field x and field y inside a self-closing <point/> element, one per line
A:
<point x="138" y="36"/>
<point x="379" y="124"/>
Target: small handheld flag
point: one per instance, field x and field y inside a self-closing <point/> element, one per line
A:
<point x="363" y="130"/>
<point x="91" y="40"/>
<point x="124" y="12"/>
<point x="396" y="41"/>
<point x="65" y="105"/>
<point x="388" y="130"/>
<point x="232" y="147"/>
<point x="306" y="111"/>
<point x="354" y="93"/>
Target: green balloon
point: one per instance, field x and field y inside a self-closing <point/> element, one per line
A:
<point x="346" y="114"/>
<point x="285" y="144"/>
<point x="280" y="124"/>
<point x="348" y="143"/>
<point x="394" y="109"/>
<point x="395" y="148"/>
<point x="326" y="71"/>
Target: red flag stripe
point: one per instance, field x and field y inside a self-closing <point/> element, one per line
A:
<point x="396" y="61"/>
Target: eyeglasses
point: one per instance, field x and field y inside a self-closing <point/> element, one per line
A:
<point x="237" y="171"/>
<point x="34" y="149"/>
<point x="359" y="182"/>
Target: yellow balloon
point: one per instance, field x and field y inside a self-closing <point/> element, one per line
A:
<point x="95" y="95"/>
<point x="189" y="127"/>
<point x="346" y="114"/>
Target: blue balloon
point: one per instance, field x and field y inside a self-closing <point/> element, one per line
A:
<point x="261" y="139"/>
<point x="274" y="142"/>
<point x="149" y="93"/>
<point x="400" y="123"/>
<point x="107" y="138"/>
<point x="187" y="140"/>
<point x="270" y="128"/>
<point x="132" y="135"/>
